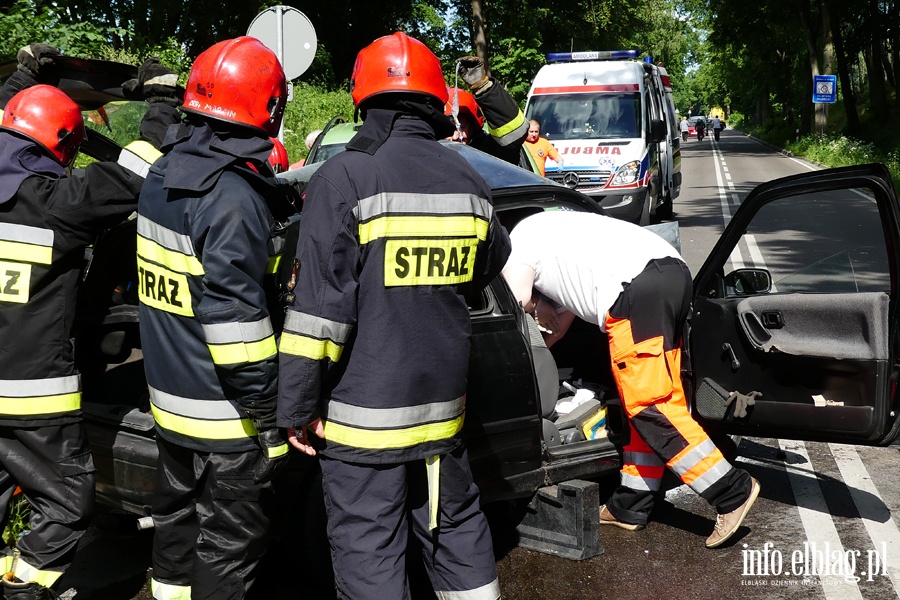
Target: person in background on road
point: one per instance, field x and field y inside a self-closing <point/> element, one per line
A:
<point x="540" y="148"/>
<point x="700" y="128"/>
<point x="637" y="288"/>
<point x="717" y="126"/>
<point x="47" y="219"/>
<point x="685" y="128"/>
<point x="390" y="441"/>
<point x="207" y="248"/>
<point x="507" y="127"/>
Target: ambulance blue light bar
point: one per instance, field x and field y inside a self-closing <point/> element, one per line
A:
<point x="592" y="55"/>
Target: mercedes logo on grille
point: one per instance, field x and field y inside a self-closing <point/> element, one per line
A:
<point x="570" y="180"/>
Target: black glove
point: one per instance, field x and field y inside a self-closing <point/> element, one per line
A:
<point x="34" y="57"/>
<point x="155" y="83"/>
<point x="471" y="69"/>
<point x="272" y="440"/>
<point x="741" y="402"/>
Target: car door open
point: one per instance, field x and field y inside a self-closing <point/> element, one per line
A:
<point x="797" y="303"/>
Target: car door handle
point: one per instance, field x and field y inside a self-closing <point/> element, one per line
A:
<point x="772" y="319"/>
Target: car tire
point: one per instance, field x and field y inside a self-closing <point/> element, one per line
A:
<point x="644" y="218"/>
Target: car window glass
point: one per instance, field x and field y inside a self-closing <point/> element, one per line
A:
<point x="826" y="241"/>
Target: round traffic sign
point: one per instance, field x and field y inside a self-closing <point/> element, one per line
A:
<point x="289" y="34"/>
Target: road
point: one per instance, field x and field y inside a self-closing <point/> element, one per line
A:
<point x="821" y="504"/>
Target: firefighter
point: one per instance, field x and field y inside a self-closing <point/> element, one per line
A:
<point x="637" y="288"/>
<point x="208" y="247"/>
<point x="47" y="219"/>
<point x="388" y="244"/>
<point x="507" y="127"/>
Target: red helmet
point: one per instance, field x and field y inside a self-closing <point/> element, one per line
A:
<point x="44" y="114"/>
<point x="397" y="63"/>
<point x="467" y="105"/>
<point x="278" y="157"/>
<point x="238" y="81"/>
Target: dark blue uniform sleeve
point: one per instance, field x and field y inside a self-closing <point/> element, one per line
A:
<point x="231" y="232"/>
<point x="319" y="324"/>
<point x="489" y="264"/>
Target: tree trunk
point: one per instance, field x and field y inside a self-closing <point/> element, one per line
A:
<point x="479" y="34"/>
<point x="815" y="68"/>
<point x="877" y="92"/>
<point x="843" y="68"/>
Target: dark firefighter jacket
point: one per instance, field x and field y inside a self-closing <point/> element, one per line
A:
<point x="377" y="340"/>
<point x="47" y="219"/>
<point x="208" y="248"/>
<point x="506" y="125"/>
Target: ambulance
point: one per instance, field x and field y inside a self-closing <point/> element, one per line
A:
<point x="612" y="119"/>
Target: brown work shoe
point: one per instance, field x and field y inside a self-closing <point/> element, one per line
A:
<point x="607" y="518"/>
<point x="728" y="523"/>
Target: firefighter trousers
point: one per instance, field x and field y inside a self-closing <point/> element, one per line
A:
<point x="372" y="508"/>
<point x="211" y="523"/>
<point x="54" y="468"/>
<point x="644" y="328"/>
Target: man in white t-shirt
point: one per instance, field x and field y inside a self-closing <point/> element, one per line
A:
<point x="636" y="287"/>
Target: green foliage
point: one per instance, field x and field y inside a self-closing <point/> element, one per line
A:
<point x="312" y="107"/>
<point x="27" y="23"/>
<point x="515" y="63"/>
<point x="17" y="521"/>
<point x="170" y="53"/>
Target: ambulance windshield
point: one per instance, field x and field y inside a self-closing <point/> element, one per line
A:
<point x="584" y="115"/>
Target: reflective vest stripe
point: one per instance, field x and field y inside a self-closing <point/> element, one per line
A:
<point x="52" y="386"/>
<point x="392" y="438"/>
<point x="230" y="333"/>
<point x="433" y="471"/>
<point x="138" y="156"/>
<point x="710" y="476"/>
<point x="690" y="459"/>
<point x="40" y="405"/>
<point x="171" y="259"/>
<point x="490" y="591"/>
<point x="208" y="430"/>
<point x="26" y="243"/>
<point x="243" y="352"/>
<point x="164" y="236"/>
<point x="26" y="572"/>
<point x="317" y="327"/>
<point x="273" y="265"/>
<point x="395" y="203"/>
<point x="632" y="478"/>
<point x="423" y="226"/>
<point x="204" y="419"/>
<point x="169" y="591"/>
<point x="307" y="347"/>
<point x="507" y="134"/>
<point x="395" y="418"/>
<point x="276" y="451"/>
<point x="644" y="459"/>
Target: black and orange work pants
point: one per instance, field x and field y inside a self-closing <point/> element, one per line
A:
<point x="644" y="329"/>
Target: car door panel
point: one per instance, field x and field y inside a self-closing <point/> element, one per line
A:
<point x="818" y="346"/>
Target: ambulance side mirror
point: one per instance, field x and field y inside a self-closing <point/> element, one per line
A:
<point x="658" y="131"/>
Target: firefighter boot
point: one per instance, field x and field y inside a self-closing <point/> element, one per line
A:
<point x="13" y="589"/>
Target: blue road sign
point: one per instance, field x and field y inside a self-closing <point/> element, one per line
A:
<point x="824" y="89"/>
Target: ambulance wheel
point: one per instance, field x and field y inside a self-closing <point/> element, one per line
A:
<point x="664" y="210"/>
<point x="644" y="219"/>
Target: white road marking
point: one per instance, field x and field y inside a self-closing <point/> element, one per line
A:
<point x="818" y="523"/>
<point x="885" y="535"/>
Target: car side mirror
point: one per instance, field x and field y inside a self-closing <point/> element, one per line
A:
<point x="744" y="282"/>
<point x="658" y="131"/>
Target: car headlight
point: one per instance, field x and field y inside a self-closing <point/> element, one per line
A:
<point x="627" y="173"/>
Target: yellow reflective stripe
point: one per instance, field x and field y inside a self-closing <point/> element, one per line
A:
<point x="176" y="261"/>
<point x="241" y="352"/>
<point x="517" y="122"/>
<point x="145" y="150"/>
<point x="28" y="573"/>
<point x="6" y="561"/>
<point x="392" y="438"/>
<point x="422" y="226"/>
<point x="429" y="262"/>
<point x="307" y="347"/>
<point x="433" y="469"/>
<point x="231" y="429"/>
<point x="168" y="591"/>
<point x="163" y="289"/>
<point x="273" y="264"/>
<point x="276" y="451"/>
<point x="30" y="253"/>
<point x="40" y="405"/>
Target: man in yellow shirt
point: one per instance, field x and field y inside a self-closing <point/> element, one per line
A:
<point x="540" y="148"/>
